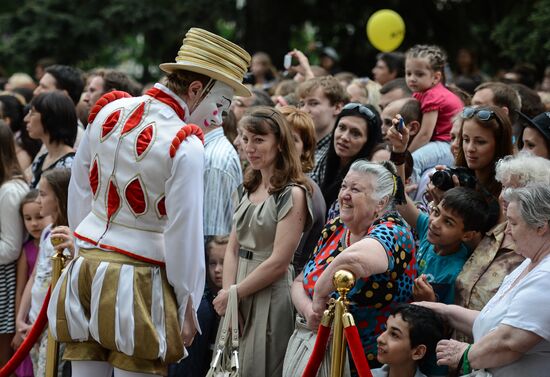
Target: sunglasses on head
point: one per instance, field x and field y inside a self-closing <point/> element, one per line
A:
<point x="482" y="114"/>
<point x="362" y="109"/>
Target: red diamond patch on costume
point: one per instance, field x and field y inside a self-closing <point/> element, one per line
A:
<point x="113" y="199"/>
<point x="144" y="140"/>
<point x="161" y="207"/>
<point x="94" y="176"/>
<point x="134" y="119"/>
<point x="135" y="196"/>
<point x="109" y="124"/>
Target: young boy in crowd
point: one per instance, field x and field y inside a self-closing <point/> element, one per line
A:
<point x="443" y="236"/>
<point x="457" y="220"/>
<point x="323" y="99"/>
<point x="411" y="335"/>
<point x="453" y="223"/>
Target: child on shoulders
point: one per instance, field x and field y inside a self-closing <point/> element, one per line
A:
<point x="424" y="66"/>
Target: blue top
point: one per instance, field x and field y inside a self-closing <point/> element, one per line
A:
<point x="222" y="176"/>
<point x="441" y="270"/>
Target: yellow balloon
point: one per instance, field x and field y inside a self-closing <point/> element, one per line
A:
<point x="385" y="30"/>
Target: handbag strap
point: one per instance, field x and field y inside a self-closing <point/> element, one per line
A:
<point x="233" y="305"/>
<point x="230" y="317"/>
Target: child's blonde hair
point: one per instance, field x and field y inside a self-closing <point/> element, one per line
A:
<point x="437" y="58"/>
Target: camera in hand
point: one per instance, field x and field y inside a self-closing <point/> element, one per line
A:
<point x="443" y="179"/>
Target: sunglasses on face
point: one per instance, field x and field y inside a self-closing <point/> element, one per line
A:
<point x="482" y="114"/>
<point x="362" y="109"/>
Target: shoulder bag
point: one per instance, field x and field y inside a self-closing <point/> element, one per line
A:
<point x="225" y="362"/>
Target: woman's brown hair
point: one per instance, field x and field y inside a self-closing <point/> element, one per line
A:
<point x="262" y="120"/>
<point x="9" y="166"/>
<point x="58" y="179"/>
<point x="501" y="127"/>
<point x="301" y="122"/>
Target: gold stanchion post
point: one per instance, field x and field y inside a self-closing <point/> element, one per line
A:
<point x="58" y="260"/>
<point x="343" y="282"/>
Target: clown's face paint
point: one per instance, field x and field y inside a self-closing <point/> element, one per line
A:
<point x="210" y="109"/>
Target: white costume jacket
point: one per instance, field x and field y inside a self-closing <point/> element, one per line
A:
<point x="137" y="188"/>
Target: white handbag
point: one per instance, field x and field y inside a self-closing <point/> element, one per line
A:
<point x="225" y="362"/>
<point x="298" y="352"/>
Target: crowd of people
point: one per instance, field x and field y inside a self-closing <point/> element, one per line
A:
<point x="431" y="188"/>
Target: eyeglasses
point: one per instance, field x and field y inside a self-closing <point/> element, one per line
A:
<point x="362" y="109"/>
<point x="482" y="114"/>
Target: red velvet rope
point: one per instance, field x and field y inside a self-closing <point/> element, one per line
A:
<point x="29" y="341"/>
<point x="318" y="352"/>
<point x="357" y="352"/>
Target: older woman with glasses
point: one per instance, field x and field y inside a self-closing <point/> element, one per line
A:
<point x="357" y="132"/>
<point x="512" y="332"/>
<point x="371" y="240"/>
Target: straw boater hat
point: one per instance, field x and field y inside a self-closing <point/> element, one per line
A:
<point x="211" y="55"/>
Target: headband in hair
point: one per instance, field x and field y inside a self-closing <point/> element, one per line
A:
<point x="270" y="116"/>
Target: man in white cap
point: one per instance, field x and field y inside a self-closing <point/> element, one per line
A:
<point x="128" y="301"/>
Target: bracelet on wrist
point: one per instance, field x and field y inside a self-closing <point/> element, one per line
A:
<point x="466" y="368"/>
<point x="398" y="158"/>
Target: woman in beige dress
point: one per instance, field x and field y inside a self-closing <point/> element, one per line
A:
<point x="273" y="211"/>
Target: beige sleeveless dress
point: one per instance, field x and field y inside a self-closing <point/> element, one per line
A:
<point x="268" y="314"/>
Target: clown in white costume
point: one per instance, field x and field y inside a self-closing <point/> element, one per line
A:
<point x="129" y="299"/>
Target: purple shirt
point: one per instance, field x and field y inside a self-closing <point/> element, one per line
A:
<point x="31" y="251"/>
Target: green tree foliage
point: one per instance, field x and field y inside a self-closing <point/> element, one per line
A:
<point x="523" y="35"/>
<point x="68" y="31"/>
<point x="501" y="32"/>
<point x="107" y="32"/>
<point x="101" y="32"/>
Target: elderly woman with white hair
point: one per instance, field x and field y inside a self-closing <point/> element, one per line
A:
<point x="495" y="256"/>
<point x="368" y="238"/>
<point x="512" y="332"/>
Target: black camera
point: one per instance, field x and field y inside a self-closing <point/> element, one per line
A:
<point x="443" y="179"/>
